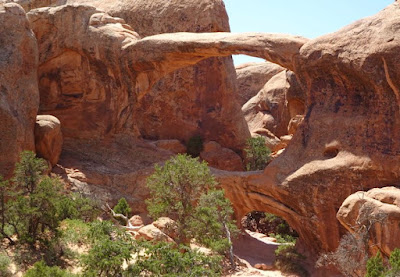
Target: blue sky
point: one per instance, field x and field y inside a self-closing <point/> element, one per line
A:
<point x="310" y="18"/>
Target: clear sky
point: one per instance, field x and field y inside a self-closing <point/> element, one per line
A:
<point x="309" y="18"/>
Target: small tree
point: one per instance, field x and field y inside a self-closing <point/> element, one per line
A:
<point x="184" y="189"/>
<point x="257" y="154"/>
<point x="175" y="189"/>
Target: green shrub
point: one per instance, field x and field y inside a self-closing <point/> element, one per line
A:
<point x="395" y="261"/>
<point x="194" y="146"/>
<point x="375" y="267"/>
<point x="212" y="220"/>
<point x="165" y="259"/>
<point x="110" y="249"/>
<point x="5" y="262"/>
<point x="176" y="187"/>
<point x="257" y="154"/>
<point x="40" y="269"/>
<point x="289" y="260"/>
<point x="123" y="208"/>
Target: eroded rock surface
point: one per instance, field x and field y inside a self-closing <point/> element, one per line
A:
<point x="379" y="211"/>
<point x="350" y="137"/>
<point x="252" y="77"/>
<point x="275" y="104"/>
<point x="19" y="96"/>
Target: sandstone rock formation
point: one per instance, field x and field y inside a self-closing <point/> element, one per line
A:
<point x="379" y="211"/>
<point x="350" y="137"/>
<point x="48" y="138"/>
<point x="220" y="157"/>
<point x="251" y="78"/>
<point x="199" y="98"/>
<point x="272" y="108"/>
<point x="19" y="96"/>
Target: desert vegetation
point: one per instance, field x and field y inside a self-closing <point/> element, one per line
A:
<point x="48" y="225"/>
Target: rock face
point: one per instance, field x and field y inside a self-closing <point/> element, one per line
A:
<point x="195" y="101"/>
<point x="350" y="137"/>
<point x="220" y="157"/>
<point x="252" y="77"/>
<point x="276" y="103"/>
<point x="199" y="100"/>
<point x="48" y="138"/>
<point x="19" y="96"/>
<point x="378" y="209"/>
<point x="86" y="86"/>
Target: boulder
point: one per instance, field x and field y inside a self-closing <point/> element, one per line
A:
<point x="136" y="221"/>
<point x="167" y="226"/>
<point x="222" y="158"/>
<point x="251" y="78"/>
<point x="19" y="96"/>
<point x="48" y="138"/>
<point x="152" y="233"/>
<point x="271" y="141"/>
<point x="378" y="210"/>
<point x="272" y="108"/>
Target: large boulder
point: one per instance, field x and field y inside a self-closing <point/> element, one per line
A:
<point x="48" y="138"/>
<point x="252" y="77"/>
<point x="19" y="96"/>
<point x="275" y="104"/>
<point x="378" y="211"/>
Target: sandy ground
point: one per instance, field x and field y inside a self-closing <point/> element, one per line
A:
<point x="255" y="248"/>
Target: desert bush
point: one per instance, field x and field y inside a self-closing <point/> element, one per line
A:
<point x="377" y="268"/>
<point x="184" y="190"/>
<point x="165" y="259"/>
<point x="40" y="269"/>
<point x="257" y="154"/>
<point x="194" y="146"/>
<point x="5" y="262"/>
<point x="110" y="248"/>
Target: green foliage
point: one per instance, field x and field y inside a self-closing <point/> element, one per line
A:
<point x="375" y="267"/>
<point x="123" y="208"/>
<point x="40" y="269"/>
<point x="395" y="261"/>
<point x="74" y="231"/>
<point x="110" y="248"/>
<point x="194" y="146"/>
<point x="257" y="154"/>
<point x="176" y="187"/>
<point x="28" y="171"/>
<point x="5" y="262"/>
<point x="164" y="259"/>
<point x="289" y="260"/>
<point x="37" y="204"/>
<point x="212" y="220"/>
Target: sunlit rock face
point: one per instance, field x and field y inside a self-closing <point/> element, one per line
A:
<point x="350" y="137"/>
<point x="19" y="96"/>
